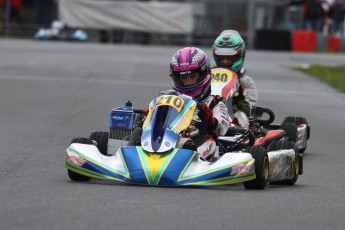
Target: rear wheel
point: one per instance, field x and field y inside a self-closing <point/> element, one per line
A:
<point x="296" y="120"/>
<point x="261" y="168"/>
<point x="295" y="166"/>
<point x="73" y="175"/>
<point x="299" y="121"/>
<point x="102" y="141"/>
<point x="291" y="130"/>
<point x="82" y="140"/>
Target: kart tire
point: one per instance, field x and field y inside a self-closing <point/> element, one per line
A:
<point x="291" y="130"/>
<point x="298" y="121"/>
<point x="102" y="141"/>
<point x="261" y="168"/>
<point x="73" y="175"/>
<point x="77" y="177"/>
<point x="82" y="140"/>
<point x="278" y="145"/>
<point x="135" y="139"/>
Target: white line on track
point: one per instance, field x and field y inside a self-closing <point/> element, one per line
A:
<point x="153" y="84"/>
<point x="89" y="80"/>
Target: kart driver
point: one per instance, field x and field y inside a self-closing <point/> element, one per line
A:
<point x="191" y="75"/>
<point x="229" y="52"/>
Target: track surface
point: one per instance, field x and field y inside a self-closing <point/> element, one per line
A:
<point x="51" y="92"/>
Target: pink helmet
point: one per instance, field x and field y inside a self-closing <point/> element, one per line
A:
<point x="191" y="60"/>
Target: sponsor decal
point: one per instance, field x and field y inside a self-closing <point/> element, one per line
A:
<point x="167" y="144"/>
<point x="185" y="72"/>
<point x="118" y="118"/>
<point x="120" y="125"/>
<point x="146" y="143"/>
<point x="241" y="169"/>
<point x="76" y="160"/>
<point x="277" y="168"/>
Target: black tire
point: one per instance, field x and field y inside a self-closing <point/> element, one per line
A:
<point x="261" y="168"/>
<point x="299" y="121"/>
<point x="82" y="140"/>
<point x="73" y="175"/>
<point x="102" y="141"/>
<point x="77" y="177"/>
<point x="274" y="145"/>
<point x="296" y="120"/>
<point x="135" y="139"/>
<point x="277" y="145"/>
<point x="290" y="130"/>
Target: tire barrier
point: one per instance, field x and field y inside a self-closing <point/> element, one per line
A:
<point x="298" y="41"/>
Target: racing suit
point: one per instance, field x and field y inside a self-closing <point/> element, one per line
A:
<point x="205" y="144"/>
<point x="246" y="98"/>
<point x="248" y="87"/>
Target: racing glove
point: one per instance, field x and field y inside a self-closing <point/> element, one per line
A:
<point x="240" y="103"/>
<point x="206" y="115"/>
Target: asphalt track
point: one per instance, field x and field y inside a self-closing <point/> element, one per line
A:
<point x="51" y="92"/>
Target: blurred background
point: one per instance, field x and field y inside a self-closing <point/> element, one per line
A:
<point x="264" y="24"/>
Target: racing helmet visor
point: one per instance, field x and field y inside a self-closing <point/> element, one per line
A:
<point x="228" y="58"/>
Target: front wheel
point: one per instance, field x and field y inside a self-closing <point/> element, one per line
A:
<point x="261" y="168"/>
<point x="102" y="141"/>
<point x="73" y="175"/>
<point x="77" y="177"/>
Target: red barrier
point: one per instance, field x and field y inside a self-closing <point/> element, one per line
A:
<point x="303" y="41"/>
<point x="333" y="43"/>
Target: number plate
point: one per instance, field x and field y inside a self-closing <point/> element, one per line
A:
<point x="170" y="100"/>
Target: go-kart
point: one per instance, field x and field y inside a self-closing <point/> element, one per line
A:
<point x="260" y="119"/>
<point x="162" y="157"/>
<point x="292" y="133"/>
<point x="296" y="128"/>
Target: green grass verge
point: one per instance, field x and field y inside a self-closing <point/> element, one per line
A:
<point x="333" y="75"/>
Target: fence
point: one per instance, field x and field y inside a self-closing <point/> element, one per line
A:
<point x="258" y="21"/>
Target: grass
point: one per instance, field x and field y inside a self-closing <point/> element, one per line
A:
<point x="332" y="75"/>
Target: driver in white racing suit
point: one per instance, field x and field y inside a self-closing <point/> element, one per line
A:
<point x="229" y="52"/>
<point x="191" y="74"/>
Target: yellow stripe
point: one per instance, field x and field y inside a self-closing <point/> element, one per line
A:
<point x="153" y="166"/>
<point x="89" y="173"/>
<point x="224" y="180"/>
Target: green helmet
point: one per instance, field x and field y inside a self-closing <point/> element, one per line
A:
<point x="229" y="50"/>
